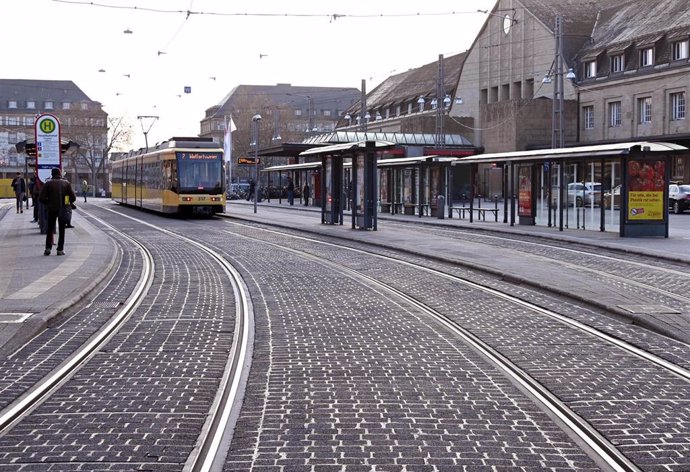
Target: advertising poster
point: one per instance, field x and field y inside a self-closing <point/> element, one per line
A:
<point x="360" y="184"/>
<point x="645" y="190"/>
<point x="525" y="191"/>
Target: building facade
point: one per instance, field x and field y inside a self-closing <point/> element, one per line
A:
<point x="624" y="75"/>
<point x="82" y="120"/>
<point x="288" y="114"/>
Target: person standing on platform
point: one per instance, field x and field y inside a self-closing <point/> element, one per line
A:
<point x="55" y="194"/>
<point x="291" y="191"/>
<point x="19" y="187"/>
<point x="305" y="193"/>
<point x="84" y="189"/>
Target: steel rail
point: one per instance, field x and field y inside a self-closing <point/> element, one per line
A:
<point x="42" y="389"/>
<point x="595" y="441"/>
<point x="204" y="457"/>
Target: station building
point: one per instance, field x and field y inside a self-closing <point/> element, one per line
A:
<point x="82" y="120"/>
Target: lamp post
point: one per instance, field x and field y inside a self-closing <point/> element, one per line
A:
<point x="255" y="128"/>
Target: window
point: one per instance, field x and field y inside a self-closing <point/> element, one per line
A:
<point x="680" y="50"/>
<point x="615" y="114"/>
<point x="31" y="105"/>
<point x="298" y="112"/>
<point x="678" y="106"/>
<point x="84" y="106"/>
<point x="617" y="63"/>
<point x="647" y="57"/>
<point x="590" y="69"/>
<point x="12" y="121"/>
<point x="48" y="105"/>
<point x="326" y="112"/>
<point x="588" y="116"/>
<point x="12" y="104"/>
<point x="65" y="105"/>
<point x="644" y="106"/>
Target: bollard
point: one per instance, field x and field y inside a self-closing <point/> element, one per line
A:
<point x="441" y="207"/>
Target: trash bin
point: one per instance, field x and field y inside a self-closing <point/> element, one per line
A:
<point x="440" y="207"/>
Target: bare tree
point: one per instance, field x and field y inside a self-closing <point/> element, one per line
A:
<point x="96" y="141"/>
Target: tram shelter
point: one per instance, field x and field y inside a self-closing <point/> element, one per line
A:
<point x="362" y="188"/>
<point x="552" y="185"/>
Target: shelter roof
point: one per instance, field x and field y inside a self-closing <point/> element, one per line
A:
<point x="549" y="155"/>
<point x="343" y="147"/>
<point x="409" y="139"/>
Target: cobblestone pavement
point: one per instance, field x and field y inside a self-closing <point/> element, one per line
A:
<point x="640" y="408"/>
<point x="344" y="378"/>
<point x="140" y="403"/>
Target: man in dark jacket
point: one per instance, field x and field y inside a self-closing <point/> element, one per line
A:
<point x="19" y="187"/>
<point x="55" y="194"/>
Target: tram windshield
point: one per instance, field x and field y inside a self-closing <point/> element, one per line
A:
<point x="200" y="172"/>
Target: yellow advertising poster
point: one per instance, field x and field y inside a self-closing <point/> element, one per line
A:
<point x="646" y="190"/>
<point x="646" y="205"/>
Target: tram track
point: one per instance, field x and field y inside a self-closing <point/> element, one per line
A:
<point x="209" y="449"/>
<point x="215" y="430"/>
<point x="19" y="409"/>
<point x="579" y="426"/>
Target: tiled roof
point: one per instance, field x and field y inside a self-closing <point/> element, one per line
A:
<point x="590" y="26"/>
<point x="284" y="94"/>
<point x="415" y="83"/>
<point x="641" y="21"/>
<point x="39" y="91"/>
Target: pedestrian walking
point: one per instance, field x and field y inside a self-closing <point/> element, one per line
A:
<point x="305" y="193"/>
<point x="252" y="188"/>
<point x="84" y="189"/>
<point x="35" y="191"/>
<point x="19" y="187"/>
<point x="55" y="195"/>
<point x="291" y="191"/>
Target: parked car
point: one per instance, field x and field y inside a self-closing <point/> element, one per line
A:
<point x="678" y="197"/>
<point x="580" y="193"/>
<point x="616" y="197"/>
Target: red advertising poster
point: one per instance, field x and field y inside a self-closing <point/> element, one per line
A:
<point x="646" y="190"/>
<point x="525" y="191"/>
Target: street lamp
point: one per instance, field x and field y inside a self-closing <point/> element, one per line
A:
<point x="255" y="128"/>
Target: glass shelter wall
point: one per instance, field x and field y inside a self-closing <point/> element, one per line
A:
<point x="580" y="192"/>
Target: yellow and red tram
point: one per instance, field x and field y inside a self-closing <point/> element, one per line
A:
<point x="180" y="176"/>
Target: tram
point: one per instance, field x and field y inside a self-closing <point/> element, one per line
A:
<point x="182" y="176"/>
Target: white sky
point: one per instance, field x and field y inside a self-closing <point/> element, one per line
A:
<point x="74" y="39"/>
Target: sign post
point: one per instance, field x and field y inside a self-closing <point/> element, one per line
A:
<point x="48" y="148"/>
